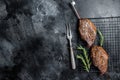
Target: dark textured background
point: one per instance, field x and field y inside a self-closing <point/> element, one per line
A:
<point x="33" y="44"/>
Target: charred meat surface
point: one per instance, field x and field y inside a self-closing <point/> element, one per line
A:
<point x="87" y="31"/>
<point x="99" y="58"/>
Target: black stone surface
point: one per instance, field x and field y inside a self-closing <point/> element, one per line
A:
<point x="33" y="43"/>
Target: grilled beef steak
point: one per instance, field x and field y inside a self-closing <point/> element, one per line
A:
<point x="99" y="58"/>
<point x="87" y="31"/>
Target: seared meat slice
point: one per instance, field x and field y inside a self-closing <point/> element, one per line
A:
<point x="99" y="58"/>
<point x="87" y="31"/>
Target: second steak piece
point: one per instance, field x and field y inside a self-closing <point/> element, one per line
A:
<point x="99" y="58"/>
<point x="87" y="31"/>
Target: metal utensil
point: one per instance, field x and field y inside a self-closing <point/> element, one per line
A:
<point x="75" y="10"/>
<point x="69" y="37"/>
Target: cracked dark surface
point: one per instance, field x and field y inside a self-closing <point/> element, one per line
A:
<point x="33" y="44"/>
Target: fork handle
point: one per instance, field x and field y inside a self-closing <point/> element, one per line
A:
<point x="72" y="58"/>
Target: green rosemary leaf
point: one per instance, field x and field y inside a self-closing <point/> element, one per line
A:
<point x="84" y="58"/>
<point x="101" y="37"/>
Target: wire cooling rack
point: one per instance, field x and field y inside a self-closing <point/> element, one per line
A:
<point x="110" y="27"/>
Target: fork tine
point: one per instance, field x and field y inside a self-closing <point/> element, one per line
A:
<point x="70" y="29"/>
<point x="67" y="30"/>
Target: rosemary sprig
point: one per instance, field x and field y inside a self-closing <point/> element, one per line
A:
<point x="85" y="59"/>
<point x="101" y="37"/>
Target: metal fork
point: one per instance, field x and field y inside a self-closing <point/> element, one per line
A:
<point x="69" y="37"/>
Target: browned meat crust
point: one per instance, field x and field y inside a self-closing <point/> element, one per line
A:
<point x="87" y="31"/>
<point x="99" y="58"/>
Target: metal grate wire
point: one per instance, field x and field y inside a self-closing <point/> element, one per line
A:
<point x="110" y="27"/>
